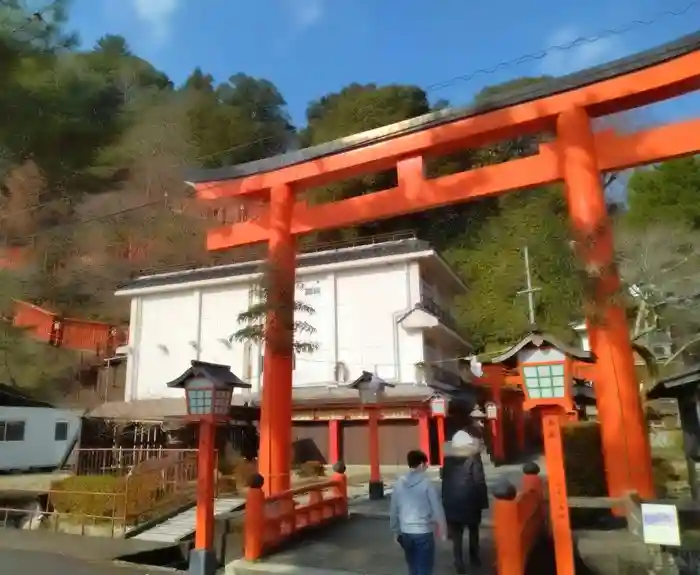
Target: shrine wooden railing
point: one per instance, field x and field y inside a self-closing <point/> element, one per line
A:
<point x="271" y="521"/>
<point x="519" y="521"/>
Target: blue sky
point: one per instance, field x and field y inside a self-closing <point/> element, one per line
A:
<point x="311" y="47"/>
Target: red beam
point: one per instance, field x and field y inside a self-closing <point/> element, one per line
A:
<point x="666" y="80"/>
<point x="615" y="152"/>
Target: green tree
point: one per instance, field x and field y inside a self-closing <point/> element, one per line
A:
<point x="240" y="120"/>
<point x="492" y="265"/>
<point x="668" y="192"/>
<point x="357" y="108"/>
<point x="253" y="320"/>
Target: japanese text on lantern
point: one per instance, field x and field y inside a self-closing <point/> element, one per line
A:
<point x="557" y="495"/>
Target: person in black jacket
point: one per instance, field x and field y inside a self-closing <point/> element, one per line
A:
<point x="464" y="495"/>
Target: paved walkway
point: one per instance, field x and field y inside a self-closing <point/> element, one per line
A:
<point x="364" y="545"/>
<point x="79" y="547"/>
<point x="361" y="545"/>
<point x="38" y="563"/>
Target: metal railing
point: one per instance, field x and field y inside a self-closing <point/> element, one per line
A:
<point x="97" y="513"/>
<point x="120" y="461"/>
<point x="110" y="505"/>
<point x="446" y="318"/>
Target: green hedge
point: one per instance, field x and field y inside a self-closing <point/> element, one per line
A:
<point x="133" y="499"/>
<point x="583" y="460"/>
<point x="92" y="495"/>
<point x="585" y="466"/>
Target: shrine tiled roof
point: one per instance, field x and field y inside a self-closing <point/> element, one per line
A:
<point x="244" y="268"/>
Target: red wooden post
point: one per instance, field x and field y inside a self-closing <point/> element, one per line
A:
<point x="254" y="526"/>
<point x="203" y="558"/>
<point x="506" y="532"/>
<point x="204" y="537"/>
<point x="558" y="501"/>
<point x="342" y="486"/>
<point x="333" y="441"/>
<point x="424" y="433"/>
<point x="440" y="424"/>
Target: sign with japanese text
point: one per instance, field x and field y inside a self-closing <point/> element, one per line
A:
<point x="660" y="524"/>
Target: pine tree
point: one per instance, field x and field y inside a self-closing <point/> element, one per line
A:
<point x="254" y="319"/>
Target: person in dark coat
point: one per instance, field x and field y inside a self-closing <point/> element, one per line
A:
<point x="464" y="495"/>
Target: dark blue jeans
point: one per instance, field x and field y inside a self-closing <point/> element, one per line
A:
<point x="420" y="552"/>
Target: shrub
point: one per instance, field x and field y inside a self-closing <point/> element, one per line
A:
<point x="133" y="498"/>
<point x="583" y="460"/>
<point x="243" y="471"/>
<point x="310" y="469"/>
<point x="91" y="495"/>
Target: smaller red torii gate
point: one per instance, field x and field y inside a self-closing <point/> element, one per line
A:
<point x="577" y="156"/>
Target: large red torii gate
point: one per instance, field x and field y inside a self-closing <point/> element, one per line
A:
<point x="577" y="156"/>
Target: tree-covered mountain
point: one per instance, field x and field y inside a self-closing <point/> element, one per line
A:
<point x="93" y="143"/>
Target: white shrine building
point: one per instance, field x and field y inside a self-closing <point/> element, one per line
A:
<point x="381" y="307"/>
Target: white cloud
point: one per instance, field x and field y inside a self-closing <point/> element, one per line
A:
<point x="157" y="15"/>
<point x="305" y="13"/>
<point x="583" y="54"/>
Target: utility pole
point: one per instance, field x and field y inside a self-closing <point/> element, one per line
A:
<point x="530" y="291"/>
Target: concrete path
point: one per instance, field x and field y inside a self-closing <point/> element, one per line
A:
<point x="364" y="546"/>
<point x="360" y="545"/>
<point x="36" y="563"/>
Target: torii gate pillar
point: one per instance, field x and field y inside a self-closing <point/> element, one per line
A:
<point x="623" y="426"/>
<point x="275" y="453"/>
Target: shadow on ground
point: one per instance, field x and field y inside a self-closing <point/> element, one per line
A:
<point x="542" y="560"/>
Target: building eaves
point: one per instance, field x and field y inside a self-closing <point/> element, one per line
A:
<point x="303" y="260"/>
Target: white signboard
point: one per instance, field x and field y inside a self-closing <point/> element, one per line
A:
<point x="660" y="524"/>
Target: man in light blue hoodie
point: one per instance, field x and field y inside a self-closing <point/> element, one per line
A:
<point x="416" y="513"/>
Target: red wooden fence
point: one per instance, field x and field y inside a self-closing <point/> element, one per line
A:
<point x="67" y="332"/>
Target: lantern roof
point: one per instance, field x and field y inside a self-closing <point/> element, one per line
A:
<point x="371" y="380"/>
<point x="677" y="385"/>
<point x="218" y="374"/>
<point x="539" y="338"/>
<point x="465" y="393"/>
<point x="583" y="392"/>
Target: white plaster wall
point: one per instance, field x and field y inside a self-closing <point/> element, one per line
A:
<point x="356" y="321"/>
<point x="318" y="367"/>
<point x="370" y="303"/>
<point x="217" y="324"/>
<point x="167" y="325"/>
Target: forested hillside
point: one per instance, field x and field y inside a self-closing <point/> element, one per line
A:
<point x="92" y="148"/>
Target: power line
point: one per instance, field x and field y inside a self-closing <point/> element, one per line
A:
<point x="565" y="47"/>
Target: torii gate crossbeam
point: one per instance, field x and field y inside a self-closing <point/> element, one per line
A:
<point x="577" y="156"/>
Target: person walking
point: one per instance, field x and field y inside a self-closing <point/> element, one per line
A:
<point x="464" y="495"/>
<point x="415" y="515"/>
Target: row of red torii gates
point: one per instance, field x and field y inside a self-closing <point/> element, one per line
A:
<point x="577" y="156"/>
